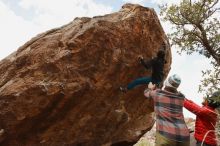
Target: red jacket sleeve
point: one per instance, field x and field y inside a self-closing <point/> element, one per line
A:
<point x="191" y="106"/>
<point x="194" y="108"/>
<point x="198" y="110"/>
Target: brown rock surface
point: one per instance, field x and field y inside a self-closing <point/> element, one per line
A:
<point x="62" y="87"/>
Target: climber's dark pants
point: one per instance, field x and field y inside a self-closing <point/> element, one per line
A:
<point x="141" y="81"/>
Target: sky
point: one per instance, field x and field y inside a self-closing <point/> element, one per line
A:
<point x="23" y="19"/>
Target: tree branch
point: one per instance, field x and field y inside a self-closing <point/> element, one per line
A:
<point x="207" y="45"/>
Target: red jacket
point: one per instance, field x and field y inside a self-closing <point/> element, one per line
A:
<point x="205" y="121"/>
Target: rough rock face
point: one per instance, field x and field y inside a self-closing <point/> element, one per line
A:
<point x="62" y="87"/>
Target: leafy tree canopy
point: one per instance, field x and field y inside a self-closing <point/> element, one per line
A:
<point x="196" y="28"/>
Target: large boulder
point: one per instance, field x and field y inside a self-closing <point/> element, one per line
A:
<point x="61" y="88"/>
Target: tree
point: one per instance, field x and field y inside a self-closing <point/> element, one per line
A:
<point x="196" y="28"/>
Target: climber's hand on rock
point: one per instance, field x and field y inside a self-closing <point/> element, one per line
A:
<point x="140" y="59"/>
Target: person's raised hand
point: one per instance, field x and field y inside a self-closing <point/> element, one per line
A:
<point x="151" y="86"/>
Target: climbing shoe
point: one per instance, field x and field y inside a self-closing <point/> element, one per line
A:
<point x="123" y="89"/>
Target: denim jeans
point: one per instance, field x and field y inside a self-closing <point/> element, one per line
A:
<point x="140" y="81"/>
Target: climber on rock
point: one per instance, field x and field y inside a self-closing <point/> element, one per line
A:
<point x="206" y="118"/>
<point x="157" y="66"/>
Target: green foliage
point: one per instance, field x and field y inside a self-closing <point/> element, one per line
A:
<point x="209" y="83"/>
<point x="196" y="28"/>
